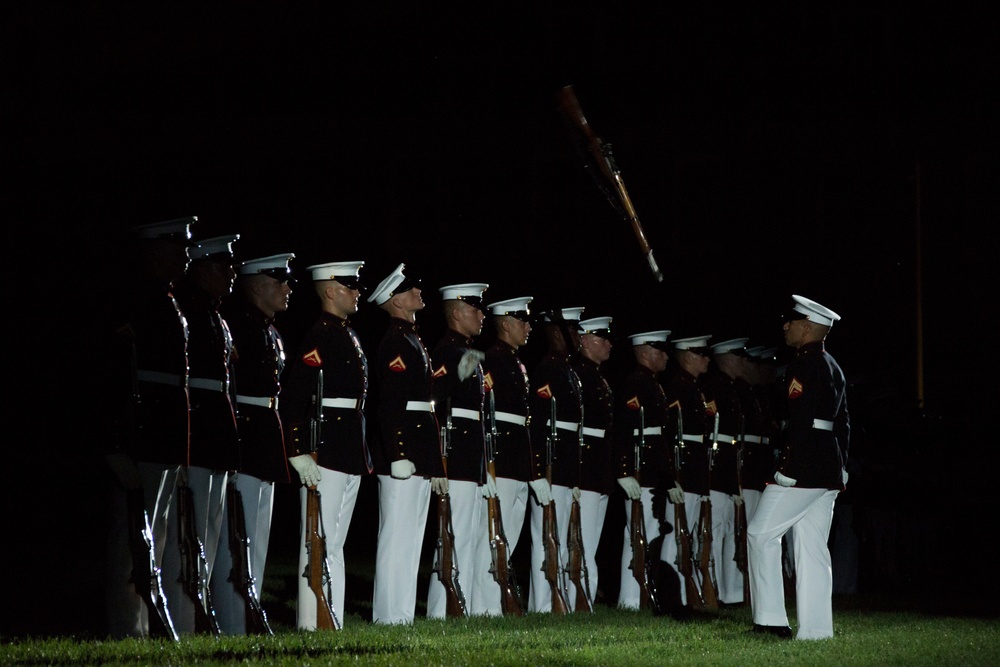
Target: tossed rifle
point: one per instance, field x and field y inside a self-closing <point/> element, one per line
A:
<point x="317" y="571"/>
<point x="445" y="564"/>
<point x="576" y="568"/>
<point x="241" y="575"/>
<point x="145" y="574"/>
<point x="550" y="530"/>
<point x="706" y="561"/>
<point x="682" y="534"/>
<point x="601" y="153"/>
<point x="740" y="521"/>
<point x="637" y="531"/>
<point x="503" y="573"/>
<point x="194" y="565"/>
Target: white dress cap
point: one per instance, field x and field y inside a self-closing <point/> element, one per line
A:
<point x="384" y="291"/>
<point x="335" y="270"/>
<point x="813" y="311"/>
<point x="275" y="266"/>
<point x="731" y="345"/>
<point x="463" y="292"/>
<point x="518" y="307"/>
<point x="216" y="246"/>
<point x="693" y="343"/>
<point x="756" y="351"/>
<point x="178" y="227"/>
<point x="597" y="326"/>
<point x="657" y="339"/>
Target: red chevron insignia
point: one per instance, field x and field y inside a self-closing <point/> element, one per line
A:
<point x="633" y="403"/>
<point x="795" y="388"/>
<point x="544" y="392"/>
<point x="397" y="365"/>
<point x="312" y="358"/>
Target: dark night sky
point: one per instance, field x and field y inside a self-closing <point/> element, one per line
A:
<point x="766" y="150"/>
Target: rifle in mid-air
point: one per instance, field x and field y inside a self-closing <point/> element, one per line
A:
<point x="685" y="554"/>
<point x="317" y="571"/>
<point x="550" y="530"/>
<point x="503" y="573"/>
<point x="445" y="564"/>
<point x="637" y="532"/>
<point x="194" y="565"/>
<point x="241" y="575"/>
<point x="145" y="574"/>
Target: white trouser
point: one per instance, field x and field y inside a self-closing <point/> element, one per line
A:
<point x="669" y="551"/>
<point x="540" y="592"/>
<point x="513" y="496"/>
<point x="208" y="488"/>
<point x="629" y="593"/>
<point x="593" y="509"/>
<point x="808" y="513"/>
<point x="728" y="577"/>
<point x="258" y="500"/>
<point x="466" y="514"/>
<point x="338" y="493"/>
<point x="402" y="517"/>
<point x="751" y="499"/>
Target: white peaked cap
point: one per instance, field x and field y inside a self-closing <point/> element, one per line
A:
<point x="693" y="343"/>
<point x="167" y="228"/>
<point x="597" y="325"/>
<point x="568" y="314"/>
<point x="518" y="306"/>
<point x="213" y="247"/>
<point x="275" y="264"/>
<point x="813" y="311"/>
<point x="657" y="339"/>
<point x="463" y="292"/>
<point x="334" y="270"/>
<point x="383" y="292"/>
<point x="731" y="345"/>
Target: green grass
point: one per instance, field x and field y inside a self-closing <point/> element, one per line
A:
<point x="864" y="636"/>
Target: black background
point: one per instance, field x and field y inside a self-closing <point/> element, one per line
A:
<point x="847" y="155"/>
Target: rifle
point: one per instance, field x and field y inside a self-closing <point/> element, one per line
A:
<point x="740" y="522"/>
<point x="445" y="565"/>
<point x="241" y="575"/>
<point x="194" y="565"/>
<point x="682" y="534"/>
<point x="145" y="574"/>
<point x="601" y="153"/>
<point x="317" y="571"/>
<point x="706" y="560"/>
<point x="550" y="531"/>
<point x="637" y="532"/>
<point x="500" y="566"/>
<point x="576" y="568"/>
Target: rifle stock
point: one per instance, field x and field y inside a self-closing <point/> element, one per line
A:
<point x="740" y="521"/>
<point x="145" y="574"/>
<point x="706" y="562"/>
<point x="194" y="566"/>
<point x="637" y="531"/>
<point x="241" y="575"/>
<point x="510" y="602"/>
<point x="685" y="558"/>
<point x="317" y="571"/>
<point x="550" y="528"/>
<point x="577" y="567"/>
<point x="447" y="568"/>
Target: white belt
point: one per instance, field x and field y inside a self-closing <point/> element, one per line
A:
<point x="649" y="430"/>
<point x="259" y="401"/>
<point x="160" y="378"/>
<point x="420" y="406"/>
<point x="209" y="384"/>
<point x="510" y="418"/>
<point x="349" y="403"/>
<point x="465" y="413"/>
<point x="593" y="432"/>
<point x="722" y="437"/>
<point x="693" y="438"/>
<point x="566" y="426"/>
<point x="756" y="439"/>
<point x="823" y="424"/>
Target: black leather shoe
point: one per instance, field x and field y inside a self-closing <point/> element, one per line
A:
<point x="780" y="631"/>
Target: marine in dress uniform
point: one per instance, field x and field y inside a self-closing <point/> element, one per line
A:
<point x="411" y="449"/>
<point x="554" y="377"/>
<point x="759" y="460"/>
<point x="722" y="395"/>
<point x="215" y="447"/>
<point x="596" y="477"/>
<point x="151" y="428"/>
<point x="341" y="458"/>
<point x="810" y="475"/>
<point x="688" y="446"/>
<point x="640" y="420"/>
<point x="458" y="394"/>
<point x="507" y="378"/>
<point x="262" y="290"/>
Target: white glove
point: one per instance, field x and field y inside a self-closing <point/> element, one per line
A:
<point x="439" y="485"/>
<point x="631" y="486"/>
<point x="125" y="471"/>
<point x="490" y="487"/>
<point x="783" y="480"/>
<point x="737" y="499"/>
<point x="467" y="366"/>
<point x="843" y="475"/>
<point x="402" y="469"/>
<point x="676" y="494"/>
<point x="577" y="493"/>
<point x="306" y="466"/>
<point x="542" y="491"/>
